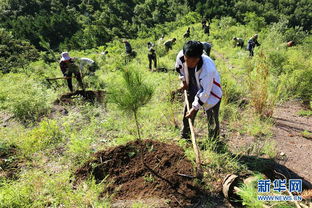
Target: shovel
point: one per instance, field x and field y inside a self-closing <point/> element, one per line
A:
<point x="199" y="171"/>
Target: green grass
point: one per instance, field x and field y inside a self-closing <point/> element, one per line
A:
<point x="305" y="113"/>
<point x="52" y="149"/>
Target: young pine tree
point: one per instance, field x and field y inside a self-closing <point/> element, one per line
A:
<point x="132" y="94"/>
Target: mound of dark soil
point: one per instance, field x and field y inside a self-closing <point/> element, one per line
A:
<point x="159" y="178"/>
<point x="87" y="95"/>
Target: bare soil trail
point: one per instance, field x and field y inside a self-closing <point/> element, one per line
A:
<point x="292" y="145"/>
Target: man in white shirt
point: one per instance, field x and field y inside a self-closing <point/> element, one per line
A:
<point x="88" y="63"/>
<point x="200" y="78"/>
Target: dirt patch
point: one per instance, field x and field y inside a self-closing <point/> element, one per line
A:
<point x="160" y="178"/>
<point x="88" y="95"/>
<point x="291" y="143"/>
<point x="9" y="164"/>
<point x="293" y="147"/>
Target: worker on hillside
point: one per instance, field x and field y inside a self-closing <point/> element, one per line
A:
<point x="127" y="47"/>
<point x="290" y="43"/>
<point x="204" y="23"/>
<point x="206" y="48"/>
<point x="68" y="68"/>
<point x="88" y="64"/>
<point x="201" y="80"/>
<point x="252" y="43"/>
<point x="130" y="54"/>
<point x="187" y="33"/>
<point x="151" y="55"/>
<point x="168" y="44"/>
<point x="206" y="28"/>
<point x="238" y="42"/>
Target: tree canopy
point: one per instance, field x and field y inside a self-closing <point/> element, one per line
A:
<point x="83" y="24"/>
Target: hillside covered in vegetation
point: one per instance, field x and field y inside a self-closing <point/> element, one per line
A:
<point x="58" y="151"/>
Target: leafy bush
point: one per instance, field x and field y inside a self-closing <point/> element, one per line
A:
<point x="254" y="21"/>
<point x="79" y="148"/>
<point x="296" y="79"/>
<point x="15" y="53"/>
<point x="300" y="82"/>
<point x="15" y="195"/>
<point x="277" y="59"/>
<point x="231" y="93"/>
<point x="24" y="97"/>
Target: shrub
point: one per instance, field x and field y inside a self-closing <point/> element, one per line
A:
<point x="25" y="98"/>
<point x="259" y="82"/>
<point x="301" y="83"/>
<point x="47" y="133"/>
<point x="15" y="53"/>
<point x="277" y="59"/>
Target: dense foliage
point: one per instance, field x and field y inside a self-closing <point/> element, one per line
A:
<point x="81" y="24"/>
<point x="47" y="142"/>
<point x="15" y="53"/>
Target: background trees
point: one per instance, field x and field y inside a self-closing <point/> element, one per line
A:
<point x="83" y="24"/>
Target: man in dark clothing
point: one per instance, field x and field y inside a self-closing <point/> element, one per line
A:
<point x="128" y="47"/>
<point x="238" y="42"/>
<point x="200" y="78"/>
<point x="207" y="28"/>
<point x="68" y="68"/>
<point x="130" y="54"/>
<point x="187" y="33"/>
<point x="206" y="48"/>
<point x="204" y="22"/>
<point x="151" y="55"/>
<point x="252" y="43"/>
<point x="168" y="44"/>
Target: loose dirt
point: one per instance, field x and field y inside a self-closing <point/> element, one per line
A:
<point x="88" y="95"/>
<point x="158" y="182"/>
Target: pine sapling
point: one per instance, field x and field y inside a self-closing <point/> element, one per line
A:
<point x="132" y="94"/>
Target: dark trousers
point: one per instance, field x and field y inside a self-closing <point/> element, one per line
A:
<point x="151" y="58"/>
<point x="207" y="30"/>
<point x="212" y="119"/>
<point x="240" y="45"/>
<point x="69" y="80"/>
<point x="250" y="48"/>
<point x="251" y="53"/>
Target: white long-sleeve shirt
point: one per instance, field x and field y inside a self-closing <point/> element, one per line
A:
<point x="85" y="61"/>
<point x="207" y="78"/>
